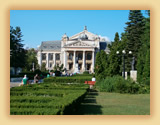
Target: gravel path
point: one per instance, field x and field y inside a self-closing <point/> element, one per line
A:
<point x="14" y="84"/>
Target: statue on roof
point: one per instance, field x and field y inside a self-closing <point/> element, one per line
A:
<point x="85" y="27"/>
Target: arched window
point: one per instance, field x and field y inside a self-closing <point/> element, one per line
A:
<point x="79" y="56"/>
<point x="89" y="56"/>
<point x="57" y="56"/>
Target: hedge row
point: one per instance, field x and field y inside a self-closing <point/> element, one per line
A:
<point x="75" y="79"/>
<point x="46" y="99"/>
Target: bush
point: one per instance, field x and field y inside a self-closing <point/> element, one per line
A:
<point x="37" y="71"/>
<point x="82" y="75"/>
<point x="86" y="72"/>
<point x="120" y="85"/>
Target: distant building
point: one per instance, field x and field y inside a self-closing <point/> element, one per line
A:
<point x="78" y="49"/>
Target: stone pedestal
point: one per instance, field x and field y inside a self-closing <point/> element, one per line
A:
<point x="133" y="75"/>
<point x="125" y="75"/>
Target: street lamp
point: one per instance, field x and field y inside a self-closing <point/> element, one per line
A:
<point x="123" y="55"/>
<point x="33" y="66"/>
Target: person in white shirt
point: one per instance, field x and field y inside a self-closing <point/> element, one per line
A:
<point x="93" y="79"/>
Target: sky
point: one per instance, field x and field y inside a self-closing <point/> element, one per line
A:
<point x="48" y="25"/>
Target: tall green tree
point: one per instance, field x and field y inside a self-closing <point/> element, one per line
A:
<point x="134" y="30"/>
<point x="31" y="57"/>
<point x="43" y="67"/>
<point x="98" y="67"/>
<point x="58" y="69"/>
<point x="101" y="64"/>
<point x="114" y="60"/>
<point x="17" y="52"/>
<point x="143" y="64"/>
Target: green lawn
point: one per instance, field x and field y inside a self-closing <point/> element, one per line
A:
<point x="103" y="103"/>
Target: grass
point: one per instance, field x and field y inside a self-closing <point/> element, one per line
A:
<point x="102" y="103"/>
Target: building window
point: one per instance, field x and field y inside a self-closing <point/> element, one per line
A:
<point x="43" y="56"/>
<point x="50" y="65"/>
<point x="80" y="66"/>
<point x="57" y="56"/>
<point x="89" y="56"/>
<point x="70" y="56"/>
<point x="88" y="66"/>
<point x="79" y="56"/>
<point x="70" y="66"/>
<point x="50" y="56"/>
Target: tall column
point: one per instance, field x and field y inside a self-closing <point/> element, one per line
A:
<point x="65" y="59"/>
<point x="60" y="56"/>
<point x="93" y="61"/>
<point x="74" y="59"/>
<point x="47" y="60"/>
<point x="84" y="68"/>
<point x="40" y="59"/>
<point x="54" y="61"/>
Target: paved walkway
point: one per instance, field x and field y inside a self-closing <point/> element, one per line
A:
<point x="16" y="84"/>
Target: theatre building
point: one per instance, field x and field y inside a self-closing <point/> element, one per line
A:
<point x="78" y="51"/>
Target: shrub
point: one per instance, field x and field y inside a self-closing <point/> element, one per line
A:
<point x="86" y="72"/>
<point x="120" y="85"/>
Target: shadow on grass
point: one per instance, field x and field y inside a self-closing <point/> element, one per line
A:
<point x="89" y="105"/>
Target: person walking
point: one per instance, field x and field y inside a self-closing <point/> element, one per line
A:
<point x="36" y="78"/>
<point x="24" y="81"/>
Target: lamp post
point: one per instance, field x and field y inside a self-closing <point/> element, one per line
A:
<point x="123" y="58"/>
<point x="33" y="66"/>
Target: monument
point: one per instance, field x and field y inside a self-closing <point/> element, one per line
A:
<point x="133" y="73"/>
<point x="76" y="70"/>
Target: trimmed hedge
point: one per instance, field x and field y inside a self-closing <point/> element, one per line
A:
<point x="46" y="99"/>
<point x="75" y="79"/>
<point x="82" y="75"/>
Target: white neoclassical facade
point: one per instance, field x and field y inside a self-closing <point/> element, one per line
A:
<point x="78" y="51"/>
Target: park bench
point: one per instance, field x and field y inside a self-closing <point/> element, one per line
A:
<point x="90" y="83"/>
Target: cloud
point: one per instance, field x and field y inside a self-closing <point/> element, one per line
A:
<point x="104" y="38"/>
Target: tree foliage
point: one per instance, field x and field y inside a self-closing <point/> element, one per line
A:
<point x="17" y="52"/>
<point x="101" y="64"/>
<point x="58" y="69"/>
<point x="136" y="38"/>
<point x="31" y="57"/>
<point x="143" y="64"/>
<point x="113" y="59"/>
<point x="134" y="30"/>
<point x="43" y="67"/>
